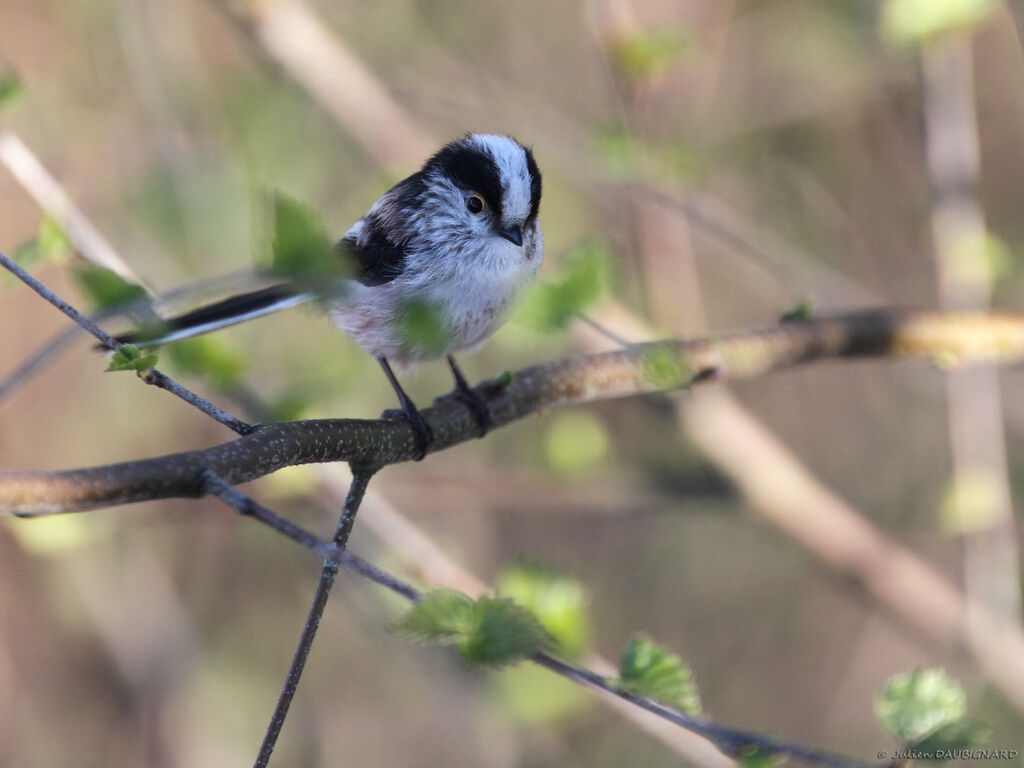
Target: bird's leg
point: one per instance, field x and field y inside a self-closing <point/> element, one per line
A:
<point x="467" y="395"/>
<point x="424" y="434"/>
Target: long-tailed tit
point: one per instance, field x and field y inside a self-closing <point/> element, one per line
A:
<point x="460" y="239"/>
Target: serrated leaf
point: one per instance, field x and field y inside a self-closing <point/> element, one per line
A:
<point x="916" y="704"/>
<point x="552" y="304"/>
<point x="209" y="357"/>
<point x="444" y="617"/>
<point x="302" y="249"/>
<point x="558" y="602"/>
<point x="105" y="289"/>
<point x="649" y="669"/>
<point x="502" y="633"/>
<point x="128" y="357"/>
<point x="918" y="21"/>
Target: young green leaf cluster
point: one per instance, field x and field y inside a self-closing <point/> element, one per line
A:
<point x="926" y="710"/>
<point x="489" y="632"/>
<point x="651" y="670"/>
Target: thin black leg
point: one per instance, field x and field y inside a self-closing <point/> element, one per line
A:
<point x="465" y="394"/>
<point x="424" y="434"/>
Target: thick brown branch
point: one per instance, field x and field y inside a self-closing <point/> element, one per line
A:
<point x="946" y="338"/>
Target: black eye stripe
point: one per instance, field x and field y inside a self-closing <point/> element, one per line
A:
<point x="471" y="169"/>
<point x="474" y="171"/>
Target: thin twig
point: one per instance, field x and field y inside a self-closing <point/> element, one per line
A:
<point x="246" y="505"/>
<point x="356" y="491"/>
<point x="20" y="376"/>
<point x="163" y="381"/>
<point x="153" y="376"/>
<point x="731" y="741"/>
<point x="84" y="322"/>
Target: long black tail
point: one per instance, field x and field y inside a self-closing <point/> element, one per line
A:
<point x="232" y="310"/>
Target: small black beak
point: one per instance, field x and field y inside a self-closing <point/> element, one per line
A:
<point x="513" y="235"/>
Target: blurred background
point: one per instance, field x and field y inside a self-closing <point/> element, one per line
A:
<point x="707" y="164"/>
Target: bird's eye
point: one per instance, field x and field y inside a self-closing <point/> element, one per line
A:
<point x="474" y="203"/>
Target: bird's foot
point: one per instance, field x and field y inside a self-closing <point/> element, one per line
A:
<point x="476" y="404"/>
<point x="424" y="434"/>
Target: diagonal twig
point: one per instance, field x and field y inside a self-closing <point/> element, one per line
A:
<point x="360" y="479"/>
<point x="153" y="376"/>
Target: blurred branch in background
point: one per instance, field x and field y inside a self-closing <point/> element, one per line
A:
<point x="980" y="507"/>
<point x="775" y="483"/>
<point x="24" y="166"/>
<point x="316" y="58"/>
<point x="785" y="494"/>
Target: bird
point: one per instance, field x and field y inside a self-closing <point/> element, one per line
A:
<point x="434" y="267"/>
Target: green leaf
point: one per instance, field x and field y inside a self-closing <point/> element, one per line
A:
<point x="916" y="704"/>
<point x="209" y="357"/>
<point x="558" y="602"/>
<point x="443" y="617"/>
<point x="421" y="327"/>
<point x="651" y="670"/>
<point x="959" y="735"/>
<point x="11" y="88"/>
<point x="551" y="305"/>
<point x="491" y="632"/>
<point x="105" y="289"/>
<point x="909" y="22"/>
<point x="801" y="310"/>
<point x="128" y="357"/>
<point x="502" y="633"/>
<point x="52" y="241"/>
<point x="504" y="380"/>
<point x="643" y="55"/>
<point x="49" y="245"/>
<point x="302" y="249"/>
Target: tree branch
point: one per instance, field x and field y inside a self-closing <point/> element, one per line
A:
<point x="946" y="338"/>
